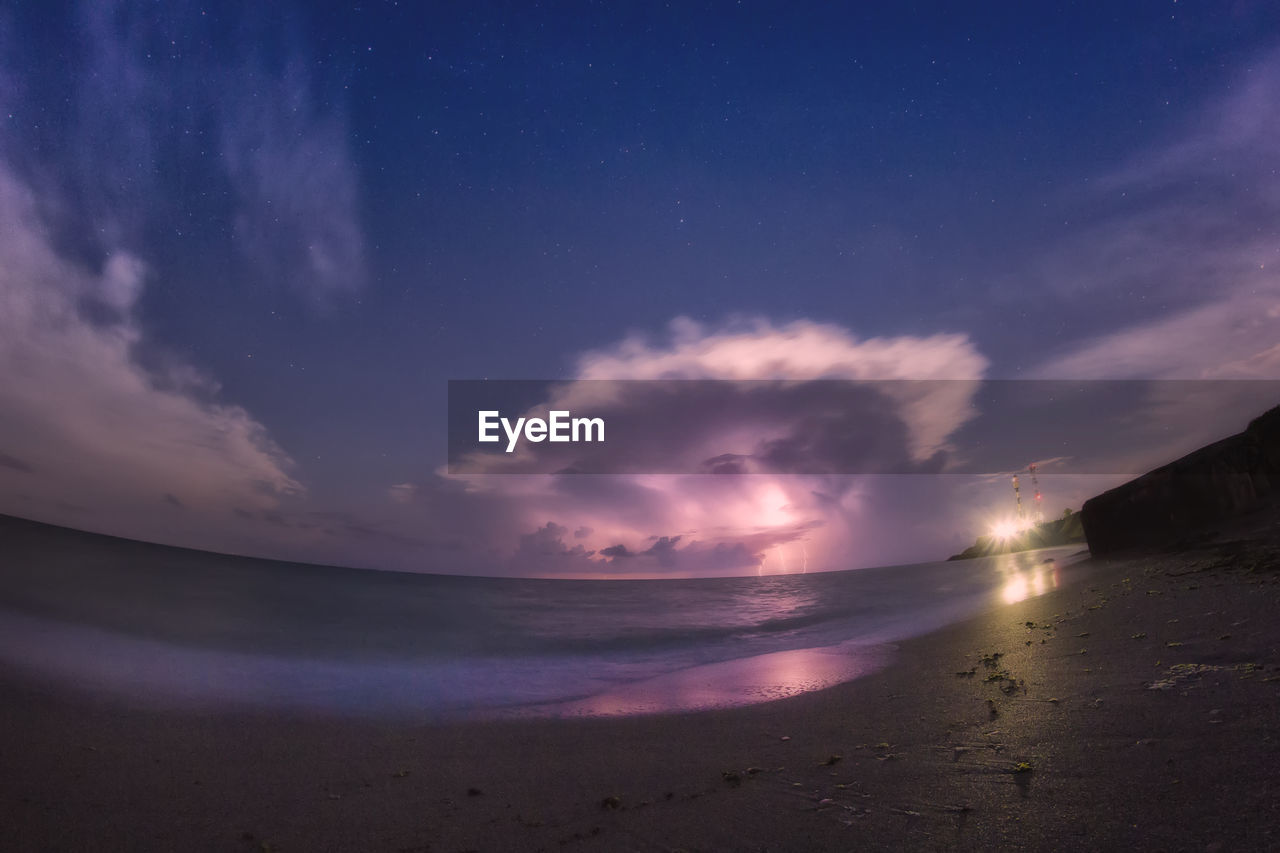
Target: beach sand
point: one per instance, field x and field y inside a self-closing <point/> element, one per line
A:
<point x="1138" y="708"/>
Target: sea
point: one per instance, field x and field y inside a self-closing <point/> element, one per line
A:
<point x="172" y="628"/>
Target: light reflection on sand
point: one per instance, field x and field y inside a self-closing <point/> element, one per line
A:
<point x="1026" y="579"/>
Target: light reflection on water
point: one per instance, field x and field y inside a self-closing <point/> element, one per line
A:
<point x="373" y="643"/>
<point x="744" y="681"/>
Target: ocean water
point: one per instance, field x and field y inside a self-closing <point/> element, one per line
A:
<point x="177" y="628"/>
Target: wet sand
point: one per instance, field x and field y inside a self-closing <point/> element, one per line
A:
<point x="1139" y="708"/>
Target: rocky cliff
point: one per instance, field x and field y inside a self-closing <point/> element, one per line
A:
<point x="1228" y="478"/>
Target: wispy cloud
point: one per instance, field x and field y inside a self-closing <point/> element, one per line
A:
<point x="86" y="419"/>
<point x="295" y="184"/>
<point x="151" y="122"/>
<point x="1189" y="244"/>
<point x="168" y="128"/>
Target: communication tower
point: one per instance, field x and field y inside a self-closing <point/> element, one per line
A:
<point x="1039" y="505"/>
<point x="1017" y="500"/>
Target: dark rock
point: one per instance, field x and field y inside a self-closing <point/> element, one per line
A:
<point x="1226" y="479"/>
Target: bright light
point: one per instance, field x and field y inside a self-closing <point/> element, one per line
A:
<point x="1023" y="584"/>
<point x="1005" y="530"/>
<point x="1015" y="589"/>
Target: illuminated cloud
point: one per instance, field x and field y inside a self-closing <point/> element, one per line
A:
<point x="803" y="350"/>
<point x="646" y="524"/>
<point x="795" y="398"/>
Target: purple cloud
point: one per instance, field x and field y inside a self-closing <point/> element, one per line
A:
<point x="665" y="524"/>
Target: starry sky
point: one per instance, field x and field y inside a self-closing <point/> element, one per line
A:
<point x="243" y="250"/>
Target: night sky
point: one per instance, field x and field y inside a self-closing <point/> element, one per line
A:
<point x="243" y="249"/>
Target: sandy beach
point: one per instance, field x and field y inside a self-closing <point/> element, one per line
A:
<point x="1138" y="708"/>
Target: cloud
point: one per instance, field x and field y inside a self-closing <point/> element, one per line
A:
<point x="662" y="524"/>
<point x="756" y="349"/>
<point x="1181" y="272"/>
<point x="85" y="419"/>
<point x="402" y="492"/>
<point x="291" y="168"/>
<point x="13" y="463"/>
<point x="1234" y="337"/>
<point x="1186" y="242"/>
<point x="801" y="397"/>
<point x="545" y="550"/>
<point x="173" y="127"/>
<point x="715" y="426"/>
<point x="169" y="128"/>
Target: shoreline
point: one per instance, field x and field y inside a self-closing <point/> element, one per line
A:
<point x="919" y="755"/>
<point x="150" y="673"/>
<point x="137" y="621"/>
